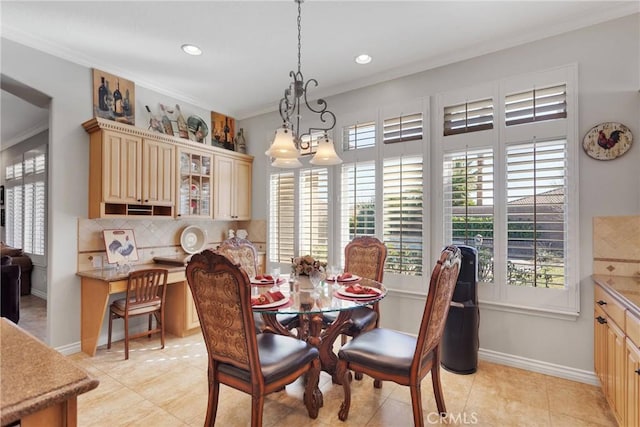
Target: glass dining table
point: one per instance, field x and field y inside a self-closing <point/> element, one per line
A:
<point x="311" y="304"/>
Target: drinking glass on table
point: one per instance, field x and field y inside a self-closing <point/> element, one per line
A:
<point x="316" y="277"/>
<point x="275" y="273"/>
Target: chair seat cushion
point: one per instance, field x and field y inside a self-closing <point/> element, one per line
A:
<point x="382" y="349"/>
<point x="289" y="321"/>
<point x="118" y="306"/>
<point x="279" y="357"/>
<point x="363" y="318"/>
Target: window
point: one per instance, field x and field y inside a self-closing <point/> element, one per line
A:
<point x="511" y="192"/>
<point x="281" y="217"/>
<point x="403" y="128"/>
<point x="361" y="135"/>
<point x="402" y="214"/>
<point x="536" y="231"/>
<point x="26" y="202"/>
<point x="536" y="104"/>
<point x="469" y="204"/>
<point x="358" y="213"/>
<point x="468" y="117"/>
<point x="313" y="238"/>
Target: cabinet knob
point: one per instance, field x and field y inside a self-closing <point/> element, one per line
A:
<point x="601" y="320"/>
<point x="146" y="200"/>
<point x="637" y="371"/>
<point x="602" y="302"/>
<point x="139" y="200"/>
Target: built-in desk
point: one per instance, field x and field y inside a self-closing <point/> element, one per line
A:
<point x="39" y="385"/>
<point x="97" y="285"/>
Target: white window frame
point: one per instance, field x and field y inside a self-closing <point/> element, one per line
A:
<point x="557" y="303"/>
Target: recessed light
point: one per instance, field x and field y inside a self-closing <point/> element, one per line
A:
<point x="191" y="49"/>
<point x="363" y="59"/>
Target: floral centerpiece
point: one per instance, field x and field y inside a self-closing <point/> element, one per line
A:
<point x="305" y="265"/>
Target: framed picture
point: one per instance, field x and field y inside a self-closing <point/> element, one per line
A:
<point x="113" y="97"/>
<point x="223" y="129"/>
<point x="121" y="246"/>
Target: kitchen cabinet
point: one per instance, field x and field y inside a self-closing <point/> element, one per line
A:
<point x="232" y="188"/>
<point x="195" y="181"/>
<point x="134" y="171"/>
<point x="129" y="173"/>
<point x="633" y="369"/>
<point x="617" y="348"/>
<point x="180" y="311"/>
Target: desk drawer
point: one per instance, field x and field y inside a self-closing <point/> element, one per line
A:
<point x="633" y="329"/>
<point x="611" y="306"/>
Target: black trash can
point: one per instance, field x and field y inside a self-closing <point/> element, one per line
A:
<point x="460" y="343"/>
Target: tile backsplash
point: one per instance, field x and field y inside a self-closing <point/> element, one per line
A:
<point x="157" y="237"/>
<point x="616" y="245"/>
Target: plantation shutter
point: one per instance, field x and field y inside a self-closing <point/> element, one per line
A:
<point x="536" y="105"/>
<point x="402" y="214"/>
<point x="282" y="217"/>
<point x="469" y="204"/>
<point x="314" y="213"/>
<point x="402" y="129"/>
<point x="536" y="213"/>
<point x="358" y="202"/>
<point x="468" y="117"/>
<point x="361" y="135"/>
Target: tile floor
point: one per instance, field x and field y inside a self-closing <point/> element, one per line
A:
<point x="168" y="387"/>
<point x="33" y="316"/>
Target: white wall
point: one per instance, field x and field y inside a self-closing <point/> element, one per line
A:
<point x="70" y="88"/>
<point x="608" y="58"/>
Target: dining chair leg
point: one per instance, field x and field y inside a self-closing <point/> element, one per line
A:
<point x="126" y="337"/>
<point x="110" y="326"/>
<point x="344" y="375"/>
<point x="150" y="324"/>
<point x="212" y="405"/>
<point x="162" y="326"/>
<point x="377" y="384"/>
<point x="416" y="405"/>
<point x="437" y="387"/>
<point x="257" y="405"/>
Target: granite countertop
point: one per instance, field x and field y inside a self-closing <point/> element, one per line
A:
<point x="35" y="376"/>
<point x="113" y="275"/>
<point x="628" y="288"/>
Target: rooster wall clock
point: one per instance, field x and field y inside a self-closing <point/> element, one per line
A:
<point x="607" y="141"/>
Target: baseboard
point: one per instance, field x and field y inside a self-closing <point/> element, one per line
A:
<point x="38" y="293"/>
<point x="566" y="372"/>
<point x="69" y="349"/>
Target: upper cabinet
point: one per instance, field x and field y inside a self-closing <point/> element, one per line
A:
<point x="232" y="188"/>
<point x="133" y="171"/>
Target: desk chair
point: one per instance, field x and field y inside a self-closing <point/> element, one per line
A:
<point x="146" y="290"/>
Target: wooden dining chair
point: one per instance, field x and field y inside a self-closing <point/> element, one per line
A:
<point x="257" y="364"/>
<point x="244" y="253"/>
<point x="365" y="257"/>
<point x="389" y="355"/>
<point x="146" y="290"/>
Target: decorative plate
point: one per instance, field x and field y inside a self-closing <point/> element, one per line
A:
<point x="272" y="304"/>
<point x="192" y="239"/>
<point x="198" y="129"/>
<point x="607" y="141"/>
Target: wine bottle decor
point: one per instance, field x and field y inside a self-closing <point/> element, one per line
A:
<point x="154" y="122"/>
<point x="113" y="105"/>
<point x="183" y="130"/>
<point x="166" y="122"/>
<point x="240" y="142"/>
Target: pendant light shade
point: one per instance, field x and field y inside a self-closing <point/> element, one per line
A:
<point x="286" y="163"/>
<point x="326" y="154"/>
<point x="283" y="146"/>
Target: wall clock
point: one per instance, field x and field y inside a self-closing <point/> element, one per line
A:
<point x="607" y="141"/>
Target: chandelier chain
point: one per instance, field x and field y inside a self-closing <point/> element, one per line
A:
<point x="299" y="33"/>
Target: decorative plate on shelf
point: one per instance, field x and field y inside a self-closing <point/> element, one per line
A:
<point x="198" y="129"/>
<point x="193" y="239"/>
<point x="607" y="141"/>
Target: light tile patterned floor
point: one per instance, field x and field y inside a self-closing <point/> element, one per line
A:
<point x="168" y="387"/>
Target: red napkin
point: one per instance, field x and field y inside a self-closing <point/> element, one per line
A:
<point x="360" y="290"/>
<point x="267" y="298"/>
<point x="345" y="276"/>
<point x="265" y="278"/>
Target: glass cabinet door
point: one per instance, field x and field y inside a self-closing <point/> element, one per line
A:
<point x="195" y="184"/>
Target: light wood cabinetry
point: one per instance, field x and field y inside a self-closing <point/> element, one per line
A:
<point x="617" y="353"/>
<point x="134" y="171"/>
<point x="180" y="313"/>
<point x="232" y="188"/>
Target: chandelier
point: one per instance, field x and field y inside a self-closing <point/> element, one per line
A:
<point x="290" y="139"/>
